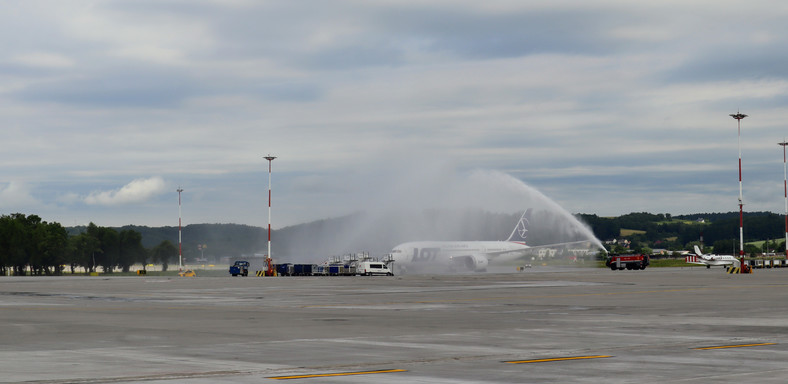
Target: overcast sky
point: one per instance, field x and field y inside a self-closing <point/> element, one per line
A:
<point x="606" y="107"/>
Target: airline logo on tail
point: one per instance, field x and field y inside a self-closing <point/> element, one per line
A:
<point x="521" y="229"/>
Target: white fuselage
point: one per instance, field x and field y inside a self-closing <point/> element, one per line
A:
<point x="713" y="260"/>
<point x="437" y="256"/>
<point x="709" y="260"/>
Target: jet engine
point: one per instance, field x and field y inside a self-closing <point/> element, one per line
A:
<point x="473" y="263"/>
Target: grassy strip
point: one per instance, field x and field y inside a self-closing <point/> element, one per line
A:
<point x="660" y="263"/>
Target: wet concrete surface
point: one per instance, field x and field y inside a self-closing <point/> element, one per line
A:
<point x="543" y="325"/>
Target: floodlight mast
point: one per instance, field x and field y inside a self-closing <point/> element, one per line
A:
<point x="739" y="116"/>
<point x="785" y="187"/>
<point x="270" y="160"/>
<point x="180" y="241"/>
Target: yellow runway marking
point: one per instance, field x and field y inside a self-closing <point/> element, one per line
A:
<point x="558" y="359"/>
<point x="335" y="374"/>
<point x="735" y="346"/>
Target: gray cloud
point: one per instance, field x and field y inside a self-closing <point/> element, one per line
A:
<point x="487" y="35"/>
<point x="117" y="89"/>
<point x="607" y="107"/>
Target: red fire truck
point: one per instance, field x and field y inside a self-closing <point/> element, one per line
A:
<point x="630" y="261"/>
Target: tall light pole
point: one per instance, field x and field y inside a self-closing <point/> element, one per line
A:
<point x="738" y="116"/>
<point x="270" y="160"/>
<point x="785" y="187"/>
<point x="180" y="242"/>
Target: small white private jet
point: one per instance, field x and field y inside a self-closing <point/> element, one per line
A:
<point x="709" y="259"/>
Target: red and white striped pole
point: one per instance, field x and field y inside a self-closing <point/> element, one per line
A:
<point x="270" y="160"/>
<point x="738" y="116"/>
<point x="180" y="241"/>
<point x="785" y="187"/>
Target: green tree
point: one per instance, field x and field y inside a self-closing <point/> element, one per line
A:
<point x="618" y="248"/>
<point x="27" y="241"/>
<point x="163" y="252"/>
<point x="108" y="254"/>
<point x="131" y="249"/>
<point x="52" y="241"/>
<point x="82" y="250"/>
<point x="726" y="247"/>
<point x="752" y="250"/>
<point x="19" y="243"/>
<point x="72" y="257"/>
<point x="6" y="236"/>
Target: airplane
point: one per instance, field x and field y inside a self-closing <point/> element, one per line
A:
<point x="469" y="256"/>
<point x="709" y="259"/>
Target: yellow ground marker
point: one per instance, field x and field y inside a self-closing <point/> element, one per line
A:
<point x="735" y="346"/>
<point x="559" y="359"/>
<point x="335" y="374"/>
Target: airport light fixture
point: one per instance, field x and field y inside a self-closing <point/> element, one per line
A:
<point x="785" y="187"/>
<point x="180" y="240"/>
<point x="270" y="160"/>
<point x="739" y="116"/>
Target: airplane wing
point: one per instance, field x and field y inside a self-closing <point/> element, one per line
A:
<point x="513" y="255"/>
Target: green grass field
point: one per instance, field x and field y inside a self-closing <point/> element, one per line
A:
<point x="659" y="263"/>
<point x="630" y="232"/>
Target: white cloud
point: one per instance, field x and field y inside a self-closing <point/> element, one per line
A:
<point x="134" y="192"/>
<point x="16" y="195"/>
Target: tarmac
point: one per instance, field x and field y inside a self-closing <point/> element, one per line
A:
<point x="542" y="325"/>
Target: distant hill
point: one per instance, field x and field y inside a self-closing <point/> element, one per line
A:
<point x="367" y="232"/>
<point x="719" y="216"/>
<point x="378" y="233"/>
<point x="218" y="240"/>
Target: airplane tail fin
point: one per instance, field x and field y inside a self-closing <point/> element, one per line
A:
<point x="697" y="251"/>
<point x="520" y="231"/>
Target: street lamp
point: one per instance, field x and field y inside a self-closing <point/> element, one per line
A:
<point x="739" y="116"/>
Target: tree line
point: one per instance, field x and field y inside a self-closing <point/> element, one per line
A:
<point x="717" y="232"/>
<point x="29" y="243"/>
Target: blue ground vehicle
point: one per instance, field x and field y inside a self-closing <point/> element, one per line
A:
<point x="240" y="267"/>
